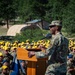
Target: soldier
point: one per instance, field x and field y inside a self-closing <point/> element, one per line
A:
<point x="4" y="70"/>
<point x="6" y="63"/>
<point x="70" y="65"/>
<point x="57" y="51"/>
<point x="7" y="55"/>
<point x="1" y="59"/>
<point x="73" y="52"/>
<point x="23" y="67"/>
<point x="7" y="60"/>
<point x="13" y="51"/>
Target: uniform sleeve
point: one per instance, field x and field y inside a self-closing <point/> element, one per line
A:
<point x="40" y="54"/>
<point x="49" y="51"/>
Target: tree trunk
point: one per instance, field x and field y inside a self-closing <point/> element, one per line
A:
<point x="42" y="23"/>
<point x="7" y="23"/>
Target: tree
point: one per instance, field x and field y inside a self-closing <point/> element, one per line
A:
<point x="7" y="10"/>
<point x="25" y="9"/>
<point x="55" y="9"/>
<point x="69" y="17"/>
<point x="31" y="9"/>
<point x="39" y="8"/>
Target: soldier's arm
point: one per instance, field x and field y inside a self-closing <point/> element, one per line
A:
<point x="47" y="52"/>
<point x="40" y="54"/>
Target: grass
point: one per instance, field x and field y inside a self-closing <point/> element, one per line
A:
<point x="3" y="31"/>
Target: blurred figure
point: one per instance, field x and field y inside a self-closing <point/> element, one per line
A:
<point x="70" y="65"/>
<point x="73" y="52"/>
<point x="13" y="51"/>
<point x="7" y="55"/>
<point x="1" y="59"/>
<point x="6" y="63"/>
<point x="23" y="67"/>
<point x="4" y="70"/>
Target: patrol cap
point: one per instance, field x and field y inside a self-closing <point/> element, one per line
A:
<point x="6" y="48"/>
<point x="4" y="67"/>
<point x="73" y="48"/>
<point x="1" y="54"/>
<point x="55" y="22"/>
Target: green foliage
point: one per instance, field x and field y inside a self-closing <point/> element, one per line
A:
<point x="31" y="9"/>
<point x="39" y="8"/>
<point x="44" y="9"/>
<point x="6" y="9"/>
<point x="69" y="17"/>
<point x="35" y="34"/>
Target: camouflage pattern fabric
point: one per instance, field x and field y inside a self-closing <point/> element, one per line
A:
<point x="71" y="65"/>
<point x="57" y="55"/>
<point x="8" y="57"/>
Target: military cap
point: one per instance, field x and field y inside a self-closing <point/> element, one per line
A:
<point x="4" y="67"/>
<point x="1" y="54"/>
<point x="73" y="47"/>
<point x="55" y="22"/>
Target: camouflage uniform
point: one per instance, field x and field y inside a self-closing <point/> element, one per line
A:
<point x="4" y="70"/>
<point x="57" y="55"/>
<point x="70" y="66"/>
<point x="1" y="64"/>
<point x="8" y="57"/>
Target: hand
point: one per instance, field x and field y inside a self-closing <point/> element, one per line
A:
<point x="31" y="53"/>
<point x="69" y="70"/>
<point x="42" y="47"/>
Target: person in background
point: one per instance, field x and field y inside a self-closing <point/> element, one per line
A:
<point x="73" y="52"/>
<point x="4" y="70"/>
<point x="70" y="65"/>
<point x="56" y="52"/>
<point x="13" y="51"/>
<point x="23" y="67"/>
<point x="1" y="59"/>
<point x="6" y="63"/>
<point x="7" y="55"/>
